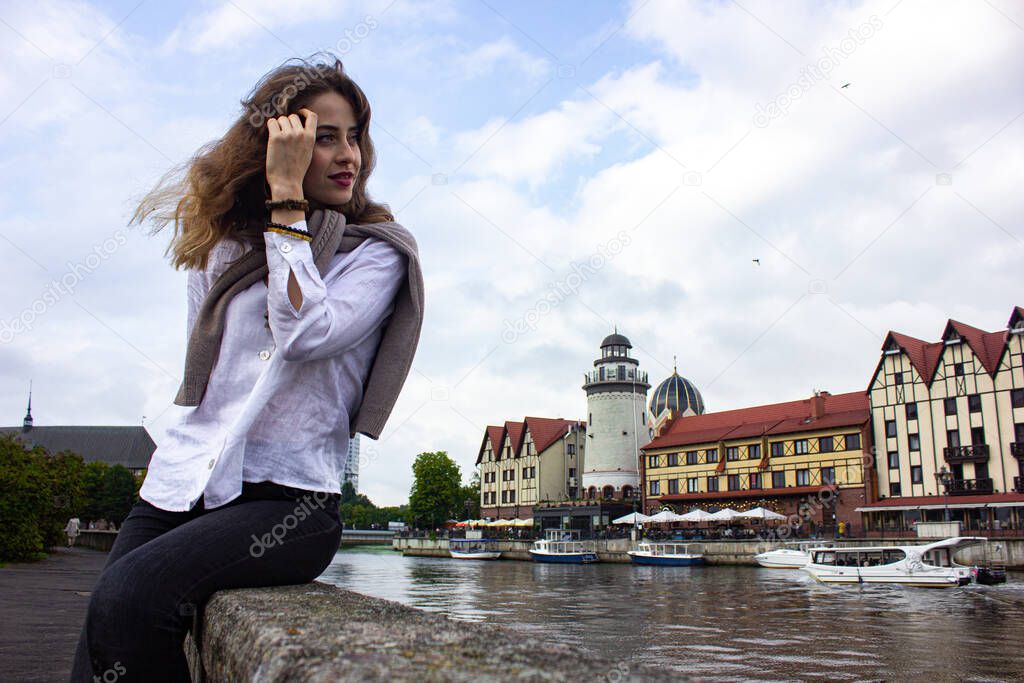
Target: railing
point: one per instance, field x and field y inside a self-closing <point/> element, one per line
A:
<point x="1018" y="484"/>
<point x="968" y="487"/>
<point x="613" y="375"/>
<point x="1017" y="449"/>
<point x="961" y="454"/>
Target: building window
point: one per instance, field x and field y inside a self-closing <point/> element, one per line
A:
<point x="570" y="449"/>
<point x="692" y="485"/>
<point x="958" y="369"/>
<point x="800" y="446"/>
<point x="732" y="453"/>
<point x="825" y="444"/>
<point x="652" y="462"/>
<point x="572" y="471"/>
<point x="691" y="458"/>
<point x="655" y="487"/>
<point x="915" y="442"/>
<point x="803" y="477"/>
<point x="953" y="438"/>
<point x="894" y="460"/>
<point x="911" y="411"/>
<point x="512" y="496"/>
<point x="755" y="480"/>
<point x="852" y="442"/>
<point x="754" y="451"/>
<point x="711" y="455"/>
<point x="778" y="449"/>
<point x="734" y="482"/>
<point x="974" y="403"/>
<point x="916" y="475"/>
<point x="977" y="436"/>
<point x="778" y="480"/>
<point x="890" y="428"/>
<point x="894" y="489"/>
<point x="533" y="472"/>
<point x="949" y="406"/>
<point x="526" y="473"/>
<point x="673" y="486"/>
<point x="1017" y="398"/>
<point x="712" y="484"/>
<point x="504" y="496"/>
<point x="898" y="378"/>
<point x="673" y="459"/>
<point x="828" y="476"/>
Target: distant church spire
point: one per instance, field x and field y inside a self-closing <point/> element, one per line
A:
<point x="27" y="422"/>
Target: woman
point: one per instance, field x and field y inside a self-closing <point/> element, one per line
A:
<point x="72" y="529"/>
<point x="305" y="306"/>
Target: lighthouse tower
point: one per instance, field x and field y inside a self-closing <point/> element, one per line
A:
<point x="617" y="422"/>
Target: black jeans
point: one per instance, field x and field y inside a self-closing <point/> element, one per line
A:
<point x="164" y="565"/>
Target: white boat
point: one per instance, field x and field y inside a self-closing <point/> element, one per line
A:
<point x="793" y="556"/>
<point x="670" y="554"/>
<point x="929" y="565"/>
<point x="473" y="549"/>
<point x="562" y="546"/>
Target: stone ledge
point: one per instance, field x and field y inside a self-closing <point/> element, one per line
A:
<point x="317" y="632"/>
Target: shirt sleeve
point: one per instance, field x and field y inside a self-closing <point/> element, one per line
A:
<point x="332" y="318"/>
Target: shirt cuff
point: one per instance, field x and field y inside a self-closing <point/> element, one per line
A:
<point x="289" y="254"/>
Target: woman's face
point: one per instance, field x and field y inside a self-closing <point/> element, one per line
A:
<point x="336" y="159"/>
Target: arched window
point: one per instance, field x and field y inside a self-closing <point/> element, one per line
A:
<point x="608" y="492"/>
<point x="592" y="492"/>
<point x="627" y="491"/>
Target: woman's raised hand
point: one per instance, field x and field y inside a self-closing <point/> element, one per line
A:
<point x="289" y="151"/>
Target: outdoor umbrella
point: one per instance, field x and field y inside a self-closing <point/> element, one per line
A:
<point x="663" y="517"/>
<point x="523" y="522"/>
<point x="631" y="518"/>
<point x="697" y="515"/>
<point x="724" y="515"/>
<point x="762" y="513"/>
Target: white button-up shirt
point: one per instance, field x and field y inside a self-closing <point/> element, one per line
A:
<point x="279" y="398"/>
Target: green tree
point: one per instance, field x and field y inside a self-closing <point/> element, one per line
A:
<point x="436" y="492"/>
<point x="470" y="495"/>
<point x="24" y="494"/>
<point x="117" y="494"/>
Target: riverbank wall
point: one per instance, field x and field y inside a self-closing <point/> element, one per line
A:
<point x="1008" y="552"/>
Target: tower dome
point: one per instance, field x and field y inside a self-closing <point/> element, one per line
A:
<point x="678" y="395"/>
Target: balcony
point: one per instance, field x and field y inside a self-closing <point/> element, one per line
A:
<point x="969" y="487"/>
<point x="960" y="454"/>
<point x="1018" y="484"/>
<point x="1017" y="449"/>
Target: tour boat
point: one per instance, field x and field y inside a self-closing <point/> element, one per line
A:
<point x="473" y="549"/>
<point x="912" y="565"/>
<point x="793" y="557"/>
<point x="563" y="546"/>
<point x="670" y="554"/>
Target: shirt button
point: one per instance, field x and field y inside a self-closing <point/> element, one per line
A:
<point x="264" y="354"/>
<point x="211" y="463"/>
<point x="285" y="247"/>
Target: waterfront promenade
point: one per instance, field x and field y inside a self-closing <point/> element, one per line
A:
<point x="42" y="605"/>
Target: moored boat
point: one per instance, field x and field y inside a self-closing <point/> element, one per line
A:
<point x="473" y="549"/>
<point x="562" y="546"/>
<point x="667" y="554"/>
<point x="930" y="565"/>
<point x="794" y="556"/>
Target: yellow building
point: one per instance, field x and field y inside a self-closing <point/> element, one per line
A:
<point x="948" y="421"/>
<point x="524" y="463"/>
<point x="802" y="458"/>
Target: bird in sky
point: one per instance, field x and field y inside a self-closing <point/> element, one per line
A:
<point x="845" y="85"/>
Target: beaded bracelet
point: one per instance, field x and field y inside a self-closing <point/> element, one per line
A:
<point x="297" y="204"/>
<point x="289" y="230"/>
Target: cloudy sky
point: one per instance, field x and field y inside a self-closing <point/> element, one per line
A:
<point x="564" y="168"/>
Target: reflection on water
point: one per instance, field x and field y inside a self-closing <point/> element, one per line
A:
<point x="726" y="623"/>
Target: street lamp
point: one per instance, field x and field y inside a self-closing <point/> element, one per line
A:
<point x="944" y="478"/>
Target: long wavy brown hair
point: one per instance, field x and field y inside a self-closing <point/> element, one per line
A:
<point x="220" y="191"/>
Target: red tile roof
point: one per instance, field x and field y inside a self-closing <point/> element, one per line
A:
<point x="547" y="430"/>
<point x="515" y="432"/>
<point x="494" y="433"/>
<point x="988" y="346"/>
<point x="924" y="356"/>
<point x="850" y="409"/>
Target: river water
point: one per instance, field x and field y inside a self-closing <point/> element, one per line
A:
<point x="718" y="623"/>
